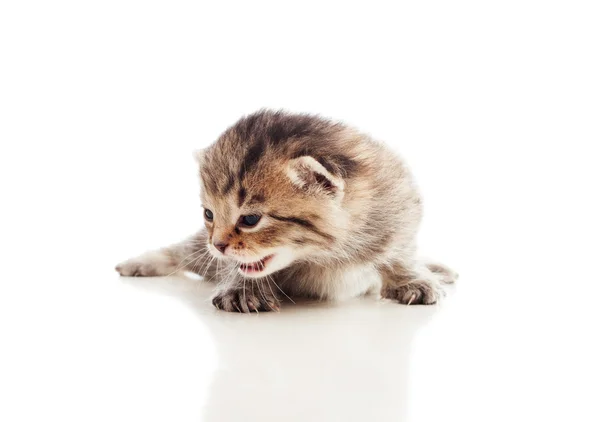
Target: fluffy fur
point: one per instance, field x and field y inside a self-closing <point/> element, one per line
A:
<point x="338" y="211"/>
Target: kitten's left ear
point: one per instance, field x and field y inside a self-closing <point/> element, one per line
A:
<point x="199" y="156"/>
<point x="308" y="174"/>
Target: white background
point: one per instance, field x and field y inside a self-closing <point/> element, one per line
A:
<point x="495" y="105"/>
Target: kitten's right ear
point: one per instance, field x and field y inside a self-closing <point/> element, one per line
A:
<point x="308" y="174"/>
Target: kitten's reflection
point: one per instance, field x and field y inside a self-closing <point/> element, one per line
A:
<point x="310" y="362"/>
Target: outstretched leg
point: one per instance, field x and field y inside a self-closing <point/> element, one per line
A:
<point x="234" y="293"/>
<point x="415" y="284"/>
<point x="190" y="255"/>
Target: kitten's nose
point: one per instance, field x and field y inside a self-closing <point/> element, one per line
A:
<point x="221" y="246"/>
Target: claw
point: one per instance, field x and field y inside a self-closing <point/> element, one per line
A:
<point x="238" y="300"/>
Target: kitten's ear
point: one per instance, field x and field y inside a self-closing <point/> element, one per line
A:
<point x="199" y="156"/>
<point x="308" y="174"/>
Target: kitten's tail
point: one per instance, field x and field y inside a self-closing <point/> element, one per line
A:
<point x="447" y="275"/>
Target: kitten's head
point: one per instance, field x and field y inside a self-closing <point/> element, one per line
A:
<point x="268" y="201"/>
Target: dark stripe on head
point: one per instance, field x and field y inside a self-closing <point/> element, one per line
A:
<point x="241" y="196"/>
<point x="251" y="158"/>
<point x="228" y="185"/>
<point x="246" y="127"/>
<point x="283" y="127"/>
<point x="339" y="165"/>
<point x="304" y="223"/>
<point x="347" y="164"/>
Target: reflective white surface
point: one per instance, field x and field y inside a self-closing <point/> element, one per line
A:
<point x="495" y="107"/>
<point x="102" y="347"/>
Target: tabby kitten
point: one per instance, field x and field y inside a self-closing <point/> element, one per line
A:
<point x="296" y="205"/>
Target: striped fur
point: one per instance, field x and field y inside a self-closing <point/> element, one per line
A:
<point x="339" y="215"/>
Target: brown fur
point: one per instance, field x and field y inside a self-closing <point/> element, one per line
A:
<point x="339" y="211"/>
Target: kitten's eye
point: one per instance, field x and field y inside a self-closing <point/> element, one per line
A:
<point x="208" y="215"/>
<point x="250" y="220"/>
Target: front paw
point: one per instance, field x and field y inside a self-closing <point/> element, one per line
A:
<point x="251" y="298"/>
<point x="136" y="268"/>
<point x="417" y="292"/>
<point x="151" y="264"/>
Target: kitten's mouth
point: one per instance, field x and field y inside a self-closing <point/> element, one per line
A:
<point x="256" y="267"/>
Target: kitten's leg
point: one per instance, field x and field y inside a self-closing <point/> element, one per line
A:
<point x="234" y="293"/>
<point x="412" y="284"/>
<point x="247" y="295"/>
<point x="190" y="255"/>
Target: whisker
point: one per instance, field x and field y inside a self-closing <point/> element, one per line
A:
<point x="201" y="260"/>
<point x="218" y="272"/>
<point x="258" y="283"/>
<point x="230" y="275"/>
<point x="276" y="285"/>
<point x="179" y="266"/>
<point x="244" y="295"/>
<point x="269" y="284"/>
<point x="206" y="267"/>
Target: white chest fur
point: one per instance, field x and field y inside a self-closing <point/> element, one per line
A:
<point x="339" y="284"/>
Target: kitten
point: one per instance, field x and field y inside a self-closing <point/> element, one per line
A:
<point x="296" y="205"/>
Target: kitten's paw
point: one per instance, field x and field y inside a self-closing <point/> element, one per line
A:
<point x="417" y="292"/>
<point x="151" y="264"/>
<point x="135" y="268"/>
<point x="246" y="300"/>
